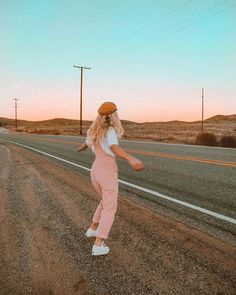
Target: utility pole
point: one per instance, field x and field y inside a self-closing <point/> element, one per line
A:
<point x="81" y="93"/>
<point x="202" y="107"/>
<point x="16" y="106"/>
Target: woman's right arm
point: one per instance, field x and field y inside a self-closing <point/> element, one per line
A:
<point x="134" y="162"/>
<point x="83" y="146"/>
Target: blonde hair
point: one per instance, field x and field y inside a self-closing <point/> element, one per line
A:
<point x="100" y="125"/>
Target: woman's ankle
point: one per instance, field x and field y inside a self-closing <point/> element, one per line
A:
<point x="98" y="241"/>
<point x="94" y="226"/>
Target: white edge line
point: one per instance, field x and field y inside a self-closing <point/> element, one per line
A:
<point x="197" y="208"/>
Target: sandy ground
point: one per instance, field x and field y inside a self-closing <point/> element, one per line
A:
<point x="45" y="210"/>
<point x="171" y="132"/>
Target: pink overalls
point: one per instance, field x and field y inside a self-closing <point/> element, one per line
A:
<point x="104" y="176"/>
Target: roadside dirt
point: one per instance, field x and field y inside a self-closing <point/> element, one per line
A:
<point x="45" y="210"/>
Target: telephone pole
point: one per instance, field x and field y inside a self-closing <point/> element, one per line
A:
<point x="16" y="107"/>
<point x="202" y="107"/>
<point x="82" y="68"/>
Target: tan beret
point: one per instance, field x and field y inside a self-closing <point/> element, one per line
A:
<point x="107" y="108"/>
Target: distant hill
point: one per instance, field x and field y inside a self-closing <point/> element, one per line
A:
<point x="166" y="122"/>
<point x="214" y="119"/>
<point x="46" y="123"/>
<point x="70" y="122"/>
<point x="221" y="118"/>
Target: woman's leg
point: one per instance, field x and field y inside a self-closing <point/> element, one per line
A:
<point x="108" y="186"/>
<point x="109" y="208"/>
<point x="94" y="226"/>
<point x="97" y="214"/>
<point x="98" y="241"/>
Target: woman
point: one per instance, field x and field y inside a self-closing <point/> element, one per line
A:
<point x="102" y="136"/>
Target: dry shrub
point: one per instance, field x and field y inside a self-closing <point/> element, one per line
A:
<point x="170" y="138"/>
<point x="43" y="131"/>
<point x="205" y="138"/>
<point x="228" y="141"/>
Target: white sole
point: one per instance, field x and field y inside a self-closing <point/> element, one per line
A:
<point x="99" y="254"/>
<point x="90" y="236"/>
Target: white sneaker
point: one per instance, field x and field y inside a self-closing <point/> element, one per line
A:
<point x="91" y="233"/>
<point x="100" y="250"/>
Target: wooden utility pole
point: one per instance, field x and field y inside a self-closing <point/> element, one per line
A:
<point x="16" y="106"/>
<point x="202" y="107"/>
<point x="81" y="94"/>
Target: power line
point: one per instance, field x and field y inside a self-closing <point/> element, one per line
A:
<point x="143" y="28"/>
<point x="184" y="28"/>
<point x="160" y="19"/>
<point x="190" y="25"/>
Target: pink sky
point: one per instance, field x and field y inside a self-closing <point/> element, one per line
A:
<point x="163" y="103"/>
<point x="151" y="59"/>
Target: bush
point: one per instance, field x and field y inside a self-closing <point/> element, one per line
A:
<point x="170" y="138"/>
<point x="228" y="141"/>
<point x="205" y="138"/>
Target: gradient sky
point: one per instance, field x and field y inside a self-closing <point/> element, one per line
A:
<point x="150" y="57"/>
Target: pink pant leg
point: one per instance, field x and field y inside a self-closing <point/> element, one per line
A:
<point x="97" y="214"/>
<point x="109" y="207"/>
<point x="104" y="176"/>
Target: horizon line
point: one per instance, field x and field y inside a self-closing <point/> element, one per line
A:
<point x="63" y="118"/>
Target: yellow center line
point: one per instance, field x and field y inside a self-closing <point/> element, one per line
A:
<point x="155" y="154"/>
<point x="173" y="156"/>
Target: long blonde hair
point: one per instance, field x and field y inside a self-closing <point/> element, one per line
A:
<point x="100" y="125"/>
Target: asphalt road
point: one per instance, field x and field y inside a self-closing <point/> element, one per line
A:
<point x="200" y="176"/>
<point x="45" y="210"/>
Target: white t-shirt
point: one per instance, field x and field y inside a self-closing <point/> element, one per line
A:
<point x="106" y="142"/>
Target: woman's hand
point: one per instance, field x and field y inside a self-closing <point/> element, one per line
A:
<point x="84" y="146"/>
<point x="136" y="164"/>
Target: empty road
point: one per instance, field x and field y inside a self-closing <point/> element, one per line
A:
<point x="200" y="177"/>
<point x="180" y="240"/>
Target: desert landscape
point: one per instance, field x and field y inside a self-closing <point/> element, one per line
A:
<point x="165" y="198"/>
<point x="170" y="131"/>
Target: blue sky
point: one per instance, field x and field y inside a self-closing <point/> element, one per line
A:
<point x="151" y="58"/>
